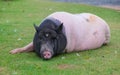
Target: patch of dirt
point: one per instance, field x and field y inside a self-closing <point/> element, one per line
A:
<point x="67" y="66"/>
<point x="112" y="7"/>
<point x="1" y="69"/>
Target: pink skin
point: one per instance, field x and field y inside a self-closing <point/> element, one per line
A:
<point x="47" y="55"/>
<point x="83" y="31"/>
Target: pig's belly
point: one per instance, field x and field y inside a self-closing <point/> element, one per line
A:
<point x="91" y="41"/>
<point x="90" y="38"/>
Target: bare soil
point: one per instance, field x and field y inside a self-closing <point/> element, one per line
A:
<point x="66" y="66"/>
<point x="115" y="7"/>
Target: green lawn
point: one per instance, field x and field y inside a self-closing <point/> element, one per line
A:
<point x="16" y="30"/>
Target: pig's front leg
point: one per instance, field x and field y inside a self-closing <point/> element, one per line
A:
<point x="26" y="48"/>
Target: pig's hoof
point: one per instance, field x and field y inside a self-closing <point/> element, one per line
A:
<point x="15" y="51"/>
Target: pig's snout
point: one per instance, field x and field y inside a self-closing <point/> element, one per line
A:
<point x="47" y="55"/>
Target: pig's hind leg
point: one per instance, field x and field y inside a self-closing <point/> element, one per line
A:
<point x="26" y="48"/>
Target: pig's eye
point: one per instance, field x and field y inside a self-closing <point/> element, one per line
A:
<point x="40" y="38"/>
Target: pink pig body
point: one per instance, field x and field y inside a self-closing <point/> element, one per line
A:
<point x="83" y="31"/>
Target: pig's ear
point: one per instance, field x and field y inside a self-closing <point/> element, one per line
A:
<point x="59" y="29"/>
<point x="36" y="27"/>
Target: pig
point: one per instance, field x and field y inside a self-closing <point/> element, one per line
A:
<point x="63" y="32"/>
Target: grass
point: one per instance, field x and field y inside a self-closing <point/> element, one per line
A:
<point x="16" y="30"/>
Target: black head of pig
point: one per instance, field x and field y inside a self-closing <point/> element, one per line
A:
<point x="49" y="39"/>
